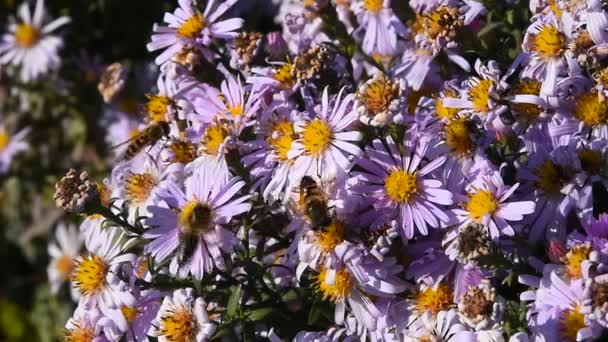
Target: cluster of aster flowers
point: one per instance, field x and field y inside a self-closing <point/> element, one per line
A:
<point x="358" y="168"/>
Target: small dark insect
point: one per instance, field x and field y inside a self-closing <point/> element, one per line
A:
<point x="196" y="220"/>
<point x="147" y="137"/>
<point x="313" y="201"/>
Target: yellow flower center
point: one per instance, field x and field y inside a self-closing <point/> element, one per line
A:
<point x="64" y="265"/>
<point x="332" y="236"/>
<point x="378" y="94"/>
<point x="90" y="274"/>
<point x="480" y="96"/>
<point x="283" y="74"/>
<point x="571" y="321"/>
<point x="317" y="136"/>
<point x="458" y="136"/>
<point x="553" y="6"/>
<point x="400" y="186"/>
<point x="138" y="187"/>
<point x="281" y="137"/>
<point x="528" y="111"/>
<point x="574" y="260"/>
<point x="550" y="177"/>
<point x="130" y="313"/>
<point x="590" y="110"/>
<point x="443" y="112"/>
<point x="183" y="151"/>
<point x="236" y="110"/>
<point x="373" y="5"/>
<point x="5" y="139"/>
<point x="157" y="107"/>
<point x="591" y="161"/>
<point x="196" y="217"/>
<point x="549" y="42"/>
<point x="214" y="138"/>
<point x="481" y="203"/>
<point x="434" y="300"/>
<point x="192" y="27"/>
<point x="179" y="326"/>
<point x="26" y="35"/>
<point x="79" y="334"/>
<point x="337" y="291"/>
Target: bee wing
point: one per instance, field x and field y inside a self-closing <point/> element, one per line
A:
<point x="187" y="247"/>
<point x="113" y="147"/>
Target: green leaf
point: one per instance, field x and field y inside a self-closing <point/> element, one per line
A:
<point x="260" y="314"/>
<point x="233" y="301"/>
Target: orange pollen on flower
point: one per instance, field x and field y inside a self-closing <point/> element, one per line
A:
<point x="179" y="325"/>
<point x="5" y="139"/>
<point x="332" y="236"/>
<point x="196" y="217"/>
<point x="377" y="95"/>
<point x="401" y="186"/>
<point x="555" y="8"/>
<point x="129" y="313"/>
<point x="183" y="151"/>
<point x="549" y="42"/>
<point x="434" y="300"/>
<point x="214" y="138"/>
<point x="550" y="177"/>
<point x="317" y="137"/>
<point x="373" y="6"/>
<point x="89" y="275"/>
<point x="590" y="110"/>
<point x="337" y="291"/>
<point x="157" y="107"/>
<point x="79" y="334"/>
<point x="458" y="135"/>
<point x="591" y="161"/>
<point x="64" y="266"/>
<point x="26" y="35"/>
<point x="283" y="75"/>
<point x="571" y="321"/>
<point x="574" y="260"/>
<point x="138" y="186"/>
<point x="281" y="137"/>
<point x="480" y="204"/>
<point x="142" y="268"/>
<point x="480" y="95"/>
<point x="192" y="27"/>
<point x="528" y="111"/>
<point x="442" y="111"/>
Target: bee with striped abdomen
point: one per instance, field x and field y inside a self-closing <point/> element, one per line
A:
<point x="313" y="204"/>
<point x="147" y="137"/>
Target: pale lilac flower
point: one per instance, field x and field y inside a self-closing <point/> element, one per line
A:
<point x="445" y="326"/>
<point x="84" y="325"/>
<point x="182" y="317"/>
<point x="132" y="322"/>
<point x="325" y="140"/>
<point x="62" y="253"/>
<point x="194" y="223"/>
<point x="30" y="43"/>
<point x="11" y="145"/>
<point x="404" y="184"/>
<point x="189" y="29"/>
<point x="486" y="203"/>
<point x="381" y="26"/>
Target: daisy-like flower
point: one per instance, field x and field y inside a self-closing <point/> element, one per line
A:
<point x="194" y="223"/>
<point x="182" y="318"/>
<point x="444" y="326"/>
<point x="592" y="113"/>
<point x="63" y="253"/>
<point x="83" y="326"/>
<point x="486" y="203"/>
<point x="95" y="274"/>
<point x="11" y="145"/>
<point x="132" y="322"/>
<point x="481" y="307"/>
<point x="30" y="43"/>
<point x="380" y="99"/>
<point x="277" y="78"/>
<point x="165" y="105"/>
<point x="381" y="26"/>
<point x="325" y="142"/>
<point x="403" y="183"/>
<point x="595" y="299"/>
<point x="188" y="28"/>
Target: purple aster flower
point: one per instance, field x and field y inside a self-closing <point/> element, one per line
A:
<point x="182" y="317"/>
<point x="132" y="322"/>
<point x="83" y="326"/>
<point x="325" y="141"/>
<point x="381" y="26"/>
<point x="62" y="253"/>
<point x="30" y="43"/>
<point x="188" y="28"/>
<point x="380" y="99"/>
<point x="486" y="203"/>
<point x="11" y="145"/>
<point x="445" y="326"/>
<point x="404" y="184"/>
<point x="194" y="222"/>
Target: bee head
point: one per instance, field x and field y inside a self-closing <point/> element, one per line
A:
<point x="307" y="182"/>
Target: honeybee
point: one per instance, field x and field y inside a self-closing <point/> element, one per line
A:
<point x="313" y="204"/>
<point x="194" y="225"/>
<point x="147" y="137"/>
